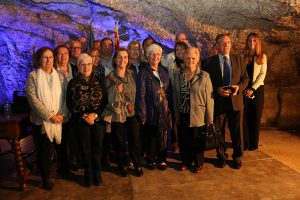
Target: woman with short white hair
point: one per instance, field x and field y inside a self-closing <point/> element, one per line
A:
<point x="194" y="108"/>
<point x="85" y="99"/>
<point x="154" y="91"/>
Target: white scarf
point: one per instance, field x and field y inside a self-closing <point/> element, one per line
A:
<point x="49" y="92"/>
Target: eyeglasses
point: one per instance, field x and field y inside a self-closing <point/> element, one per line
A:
<point x="47" y="58"/>
<point x="75" y="47"/>
<point x="86" y="65"/>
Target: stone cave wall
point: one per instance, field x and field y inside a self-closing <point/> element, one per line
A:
<point x="26" y="25"/>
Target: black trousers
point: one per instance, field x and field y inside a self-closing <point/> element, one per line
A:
<point x="134" y="141"/>
<point x="43" y="148"/>
<point x="90" y="140"/>
<point x="62" y="149"/>
<point x="234" y="119"/>
<point x="118" y="142"/>
<point x="154" y="150"/>
<point x="75" y="153"/>
<point x="188" y="137"/>
<point x="252" y="116"/>
<point x="106" y="147"/>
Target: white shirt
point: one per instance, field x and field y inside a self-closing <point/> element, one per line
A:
<point x="221" y="59"/>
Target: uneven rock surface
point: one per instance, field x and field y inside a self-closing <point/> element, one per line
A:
<point x="26" y="25"/>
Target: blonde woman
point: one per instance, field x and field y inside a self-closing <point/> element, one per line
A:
<point x="256" y="62"/>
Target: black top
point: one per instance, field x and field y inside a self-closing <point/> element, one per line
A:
<point x="250" y="69"/>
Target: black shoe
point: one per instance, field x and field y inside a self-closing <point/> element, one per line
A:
<point x="252" y="148"/>
<point x="74" y="166"/>
<point x="97" y="178"/>
<point x="152" y="166"/>
<point x="65" y="174"/>
<point x="87" y="180"/>
<point x="237" y="163"/>
<point x="124" y="172"/>
<point x="106" y="165"/>
<point x="222" y="161"/>
<point x="139" y="171"/>
<point x="48" y="184"/>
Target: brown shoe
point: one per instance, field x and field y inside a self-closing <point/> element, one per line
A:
<point x="199" y="169"/>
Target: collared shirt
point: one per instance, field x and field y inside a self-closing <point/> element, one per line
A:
<point x="68" y="76"/>
<point x="107" y="64"/>
<point x="221" y="59"/>
<point x="136" y="66"/>
<point x="156" y="74"/>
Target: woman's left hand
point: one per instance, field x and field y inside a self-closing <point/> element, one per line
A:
<point x="248" y="93"/>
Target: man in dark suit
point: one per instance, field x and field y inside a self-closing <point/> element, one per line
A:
<point x="226" y="69"/>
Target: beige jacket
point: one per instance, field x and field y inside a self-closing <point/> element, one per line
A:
<point x="116" y="109"/>
<point x="39" y="112"/>
<point x="201" y="98"/>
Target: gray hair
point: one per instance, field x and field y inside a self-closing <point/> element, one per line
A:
<point x="152" y="48"/>
<point x="82" y="57"/>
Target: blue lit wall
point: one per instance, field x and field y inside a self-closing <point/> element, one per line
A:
<point x="26" y="26"/>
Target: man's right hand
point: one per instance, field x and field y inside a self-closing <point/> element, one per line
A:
<point x="222" y="92"/>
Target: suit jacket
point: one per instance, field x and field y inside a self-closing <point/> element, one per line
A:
<point x="239" y="77"/>
<point x="201" y="98"/>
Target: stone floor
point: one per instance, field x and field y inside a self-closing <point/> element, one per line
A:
<point x="272" y="172"/>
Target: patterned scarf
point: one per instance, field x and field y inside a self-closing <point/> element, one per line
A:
<point x="86" y="95"/>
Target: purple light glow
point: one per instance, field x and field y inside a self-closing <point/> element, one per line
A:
<point x="27" y="26"/>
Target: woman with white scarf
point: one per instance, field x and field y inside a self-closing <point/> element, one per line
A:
<point x="46" y="91"/>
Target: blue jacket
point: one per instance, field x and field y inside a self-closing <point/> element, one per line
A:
<point x="148" y="93"/>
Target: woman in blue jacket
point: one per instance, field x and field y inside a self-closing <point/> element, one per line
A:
<point x="154" y="93"/>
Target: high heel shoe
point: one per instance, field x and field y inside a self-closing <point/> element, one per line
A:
<point x="199" y="169"/>
<point x="139" y="171"/>
<point x="183" y="167"/>
<point x="152" y="166"/>
<point x="162" y="166"/>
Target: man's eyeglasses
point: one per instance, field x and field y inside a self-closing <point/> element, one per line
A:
<point x="75" y="47"/>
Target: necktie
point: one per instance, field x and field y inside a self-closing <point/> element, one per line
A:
<point x="226" y="72"/>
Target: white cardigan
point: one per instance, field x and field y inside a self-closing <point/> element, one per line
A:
<point x="259" y="73"/>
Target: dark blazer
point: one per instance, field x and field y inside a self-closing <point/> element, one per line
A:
<point x="239" y="77"/>
<point x="148" y="93"/>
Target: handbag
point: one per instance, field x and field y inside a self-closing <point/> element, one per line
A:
<point x="208" y="138"/>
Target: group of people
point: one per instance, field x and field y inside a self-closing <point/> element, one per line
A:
<point x="86" y="102"/>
